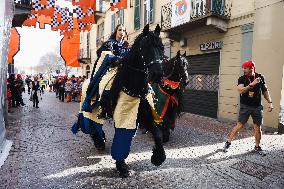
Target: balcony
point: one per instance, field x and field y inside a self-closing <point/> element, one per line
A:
<point x="215" y="13"/>
<point x="99" y="14"/>
<point x="22" y="10"/>
<point x="84" y="57"/>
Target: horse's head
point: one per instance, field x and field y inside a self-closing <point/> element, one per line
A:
<point x="177" y="69"/>
<point x="150" y="52"/>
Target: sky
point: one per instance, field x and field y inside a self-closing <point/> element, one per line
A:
<point x="35" y="43"/>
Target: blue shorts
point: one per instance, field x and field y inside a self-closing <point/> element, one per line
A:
<point x="256" y="114"/>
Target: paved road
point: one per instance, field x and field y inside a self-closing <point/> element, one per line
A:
<point x="45" y="154"/>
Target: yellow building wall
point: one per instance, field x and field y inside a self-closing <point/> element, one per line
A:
<point x="229" y="64"/>
<point x="268" y="52"/>
<point x="241" y="7"/>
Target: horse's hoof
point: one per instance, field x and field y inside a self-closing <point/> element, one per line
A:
<point x="122" y="168"/>
<point x="158" y="156"/>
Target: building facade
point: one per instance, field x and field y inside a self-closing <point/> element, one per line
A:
<point x="6" y="17"/>
<point x="218" y="36"/>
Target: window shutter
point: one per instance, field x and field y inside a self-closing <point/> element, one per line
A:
<point x="121" y="16"/>
<point x="152" y="11"/>
<point x="137" y="15"/>
<point x="101" y="5"/>
<point x="112" y="23"/>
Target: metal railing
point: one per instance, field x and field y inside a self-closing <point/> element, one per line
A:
<point x="199" y="9"/>
<point x="84" y="54"/>
<point x="24" y="2"/>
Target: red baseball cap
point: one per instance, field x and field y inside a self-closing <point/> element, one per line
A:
<point x="249" y="64"/>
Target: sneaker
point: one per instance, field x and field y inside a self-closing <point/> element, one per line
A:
<point x="226" y="146"/>
<point x="258" y="149"/>
<point x="122" y="168"/>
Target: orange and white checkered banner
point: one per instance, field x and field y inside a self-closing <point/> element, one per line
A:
<point x="85" y="3"/>
<point x="119" y="4"/>
<point x="43" y="7"/>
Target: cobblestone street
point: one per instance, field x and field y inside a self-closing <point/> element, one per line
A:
<point x="45" y="154"/>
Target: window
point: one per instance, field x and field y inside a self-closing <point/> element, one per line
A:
<point x="137" y="15"/>
<point x="112" y="23"/>
<point x="100" y="34"/>
<point x="88" y="45"/>
<point x="100" y="5"/>
<point x="148" y="11"/>
<point x="120" y="17"/>
<point x="117" y="18"/>
<point x="88" y="71"/>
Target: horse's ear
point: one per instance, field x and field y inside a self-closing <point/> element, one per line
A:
<point x="146" y="30"/>
<point x="178" y="53"/>
<point x="184" y="54"/>
<point x="157" y="30"/>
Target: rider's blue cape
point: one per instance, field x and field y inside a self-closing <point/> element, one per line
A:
<point x="94" y="84"/>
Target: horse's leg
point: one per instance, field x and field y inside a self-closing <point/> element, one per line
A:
<point x="166" y="128"/>
<point x="158" y="156"/>
<point x="121" y="147"/>
<point x="146" y="117"/>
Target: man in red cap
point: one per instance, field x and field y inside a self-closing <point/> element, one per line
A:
<point x="250" y="86"/>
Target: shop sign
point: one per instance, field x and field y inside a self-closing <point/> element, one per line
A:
<point x="180" y="12"/>
<point x="211" y="45"/>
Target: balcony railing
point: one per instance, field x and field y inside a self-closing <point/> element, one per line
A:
<point x="199" y="9"/>
<point x="23" y="2"/>
<point x="84" y="57"/>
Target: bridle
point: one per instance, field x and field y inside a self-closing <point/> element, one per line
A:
<point x="146" y="66"/>
<point x="173" y="68"/>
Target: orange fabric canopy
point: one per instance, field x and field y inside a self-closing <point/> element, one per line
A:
<point x="14" y="44"/>
<point x="43" y="20"/>
<point x="121" y="4"/>
<point x="70" y="49"/>
<point x="85" y="3"/>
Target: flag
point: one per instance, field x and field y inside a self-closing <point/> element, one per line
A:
<point x="43" y="7"/>
<point x="85" y="3"/>
<point x="42" y="20"/>
<point x="31" y="21"/>
<point x="70" y="49"/>
<point x="120" y="4"/>
<point x="14" y="44"/>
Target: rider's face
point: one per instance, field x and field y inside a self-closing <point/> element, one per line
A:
<point x="120" y="33"/>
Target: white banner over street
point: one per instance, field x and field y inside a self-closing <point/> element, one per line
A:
<point x="180" y="12"/>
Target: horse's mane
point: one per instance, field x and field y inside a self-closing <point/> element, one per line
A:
<point x="179" y="91"/>
<point x="126" y="73"/>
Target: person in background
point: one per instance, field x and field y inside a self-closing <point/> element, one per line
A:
<point x="28" y="82"/>
<point x="61" y="89"/>
<point x="250" y="86"/>
<point x="9" y="96"/>
<point x="36" y="92"/>
<point x="68" y="90"/>
<point x="19" y="84"/>
<point x="42" y="85"/>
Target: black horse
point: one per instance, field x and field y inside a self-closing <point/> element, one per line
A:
<point x="143" y="64"/>
<point x="169" y="93"/>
